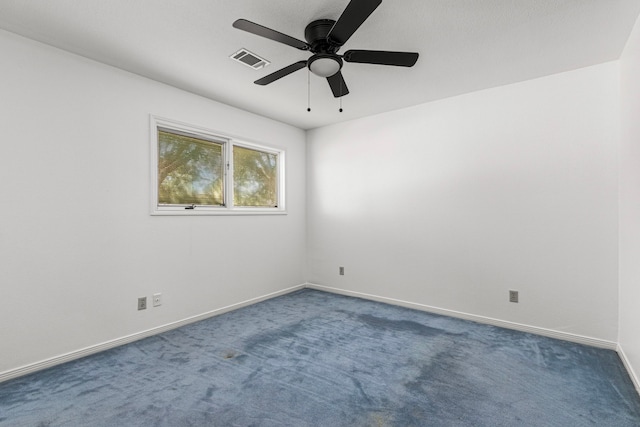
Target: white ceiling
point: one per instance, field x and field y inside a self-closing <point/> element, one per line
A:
<point x="464" y="45"/>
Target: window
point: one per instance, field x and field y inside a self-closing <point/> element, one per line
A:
<point x="199" y="172"/>
<point x="190" y="170"/>
<point x="255" y="177"/>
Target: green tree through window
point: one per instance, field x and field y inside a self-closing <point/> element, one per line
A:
<point x="255" y="178"/>
<point x="190" y="170"/>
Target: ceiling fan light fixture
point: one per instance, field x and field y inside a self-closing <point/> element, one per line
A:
<point x="325" y="65"/>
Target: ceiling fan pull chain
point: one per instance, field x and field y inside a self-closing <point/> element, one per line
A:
<point x="308" y="90"/>
<point x="340" y="96"/>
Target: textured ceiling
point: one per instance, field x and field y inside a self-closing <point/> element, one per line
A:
<point x="464" y="45"/>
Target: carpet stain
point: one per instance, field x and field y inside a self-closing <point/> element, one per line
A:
<point x="400" y="325"/>
<point x="358" y="386"/>
<point x="379" y="419"/>
<point x="286" y="333"/>
<point x="179" y="359"/>
<point x="210" y="392"/>
<point x="92" y="390"/>
<point x="235" y="356"/>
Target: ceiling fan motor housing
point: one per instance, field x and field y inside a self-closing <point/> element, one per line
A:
<point x="316" y="36"/>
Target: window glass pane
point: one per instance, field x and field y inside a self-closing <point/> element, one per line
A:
<point x="190" y="170"/>
<point x="255" y="178"/>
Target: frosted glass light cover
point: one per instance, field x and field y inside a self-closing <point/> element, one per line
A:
<point x="324" y="67"/>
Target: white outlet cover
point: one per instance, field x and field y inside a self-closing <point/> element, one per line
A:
<point x="157" y="300"/>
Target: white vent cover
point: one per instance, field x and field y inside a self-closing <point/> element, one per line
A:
<point x="249" y="59"/>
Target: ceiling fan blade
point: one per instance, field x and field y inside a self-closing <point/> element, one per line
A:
<point x="401" y="59"/>
<point x="338" y="86"/>
<point x="354" y="15"/>
<point x="259" y="30"/>
<point x="281" y="73"/>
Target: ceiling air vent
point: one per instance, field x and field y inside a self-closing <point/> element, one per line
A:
<point x="249" y="59"/>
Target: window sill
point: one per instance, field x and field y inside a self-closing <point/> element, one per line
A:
<point x="216" y="212"/>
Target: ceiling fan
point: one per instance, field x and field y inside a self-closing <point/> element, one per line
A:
<point x="324" y="37"/>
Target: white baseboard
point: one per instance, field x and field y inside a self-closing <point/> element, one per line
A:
<point x="627" y="365"/>
<point x="77" y="354"/>
<point x="595" y="342"/>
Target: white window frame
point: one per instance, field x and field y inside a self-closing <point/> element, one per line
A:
<point x="228" y="142"/>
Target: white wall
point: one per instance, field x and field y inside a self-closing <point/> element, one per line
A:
<point x="630" y="203"/>
<point x="77" y="243"/>
<point x="452" y="203"/>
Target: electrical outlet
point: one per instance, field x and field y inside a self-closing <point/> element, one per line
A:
<point x="142" y="303"/>
<point x="513" y="296"/>
<point x="157" y="300"/>
<point x="341" y="271"/>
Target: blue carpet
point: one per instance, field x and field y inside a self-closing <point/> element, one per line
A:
<point x="316" y="359"/>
